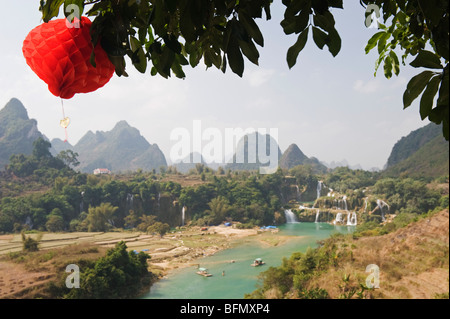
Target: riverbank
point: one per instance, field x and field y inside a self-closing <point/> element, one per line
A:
<point x="28" y="275"/>
<point x="186" y="247"/>
<point x="232" y="273"/>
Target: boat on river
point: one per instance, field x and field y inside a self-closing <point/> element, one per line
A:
<point x="203" y="272"/>
<point x="258" y="262"/>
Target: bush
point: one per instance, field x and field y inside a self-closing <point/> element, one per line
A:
<point x="315" y="293"/>
<point x="29" y="244"/>
<point x="120" y="274"/>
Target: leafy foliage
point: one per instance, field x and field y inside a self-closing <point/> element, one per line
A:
<point x="119" y="274"/>
<point x="292" y="277"/>
<point x="174" y="34"/>
<point x="30" y="244"/>
<point x="414" y="24"/>
<point x="40" y="163"/>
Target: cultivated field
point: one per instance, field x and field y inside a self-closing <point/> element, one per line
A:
<point x="25" y="275"/>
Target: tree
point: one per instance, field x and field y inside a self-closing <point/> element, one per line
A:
<point x="41" y="149"/>
<point x="69" y="157"/>
<point x="30" y="244"/>
<point x="146" y="222"/>
<point x="54" y="223"/>
<point x="100" y="218"/>
<point x="218" y="209"/>
<point x="119" y="274"/>
<point x="173" y="34"/>
<point x="158" y="227"/>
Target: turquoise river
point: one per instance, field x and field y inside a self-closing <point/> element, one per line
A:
<point x="232" y="280"/>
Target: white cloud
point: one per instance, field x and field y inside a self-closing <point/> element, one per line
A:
<point x="368" y="87"/>
<point x="258" y="77"/>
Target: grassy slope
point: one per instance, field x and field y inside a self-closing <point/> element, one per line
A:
<point x="413" y="261"/>
<point x="431" y="160"/>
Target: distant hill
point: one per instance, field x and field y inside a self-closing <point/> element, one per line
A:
<point x="246" y="156"/>
<point x="59" y="145"/>
<point x="17" y="131"/>
<point x="293" y="156"/>
<point x="345" y="163"/>
<point x="121" y="149"/>
<point x="411" y="143"/>
<point x="422" y="153"/>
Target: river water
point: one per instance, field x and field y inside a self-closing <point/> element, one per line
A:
<point x="239" y="277"/>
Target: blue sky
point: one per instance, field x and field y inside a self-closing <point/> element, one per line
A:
<point x="332" y="108"/>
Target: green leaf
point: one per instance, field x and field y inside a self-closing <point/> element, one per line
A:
<point x="172" y="42"/>
<point x="415" y="86"/>
<point x="444" y="90"/>
<point x="223" y="67"/>
<point x="178" y="70"/>
<point x="426" y="102"/>
<point x="235" y="59"/>
<point x="250" y="51"/>
<point x="334" y="42"/>
<point x="251" y="27"/>
<point x="427" y="59"/>
<point x="138" y="57"/>
<point x="211" y="58"/>
<point x="320" y="37"/>
<point x="388" y="67"/>
<point x="373" y="41"/>
<point x="296" y="24"/>
<point x="382" y="42"/>
<point x="395" y="62"/>
<point x="325" y="21"/>
<point x="70" y="11"/>
<point x="50" y="9"/>
<point x="298" y="46"/>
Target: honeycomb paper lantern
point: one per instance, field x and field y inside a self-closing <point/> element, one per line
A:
<point x="60" y="56"/>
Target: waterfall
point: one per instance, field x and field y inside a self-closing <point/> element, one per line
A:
<point x="183" y="212"/>
<point x="319" y="188"/>
<point x="338" y="218"/>
<point x="82" y="202"/>
<point x="317" y="216"/>
<point x="298" y="193"/>
<point x="345" y="202"/>
<point x="29" y="222"/>
<point x="365" y="204"/>
<point x="351" y="219"/>
<point x="381" y="204"/>
<point x="290" y="216"/>
<point x="130" y="199"/>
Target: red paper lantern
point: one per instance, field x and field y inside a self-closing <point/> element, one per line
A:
<point x="60" y="56"/>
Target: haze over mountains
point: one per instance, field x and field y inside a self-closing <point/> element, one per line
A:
<point x="423" y="151"/>
<point x="121" y="149"/>
<point x="17" y="131"/>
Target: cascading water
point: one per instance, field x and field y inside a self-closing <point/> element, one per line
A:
<point x="351" y="219"/>
<point x="381" y="204"/>
<point x="317" y="216"/>
<point x="298" y="193"/>
<point x="130" y="199"/>
<point x="344" y="199"/>
<point x="159" y="197"/>
<point x="319" y="188"/>
<point x="338" y="218"/>
<point x="290" y="217"/>
<point x="183" y="214"/>
<point x="82" y="202"/>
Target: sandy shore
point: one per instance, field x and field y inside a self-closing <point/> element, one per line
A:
<point x="184" y="248"/>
